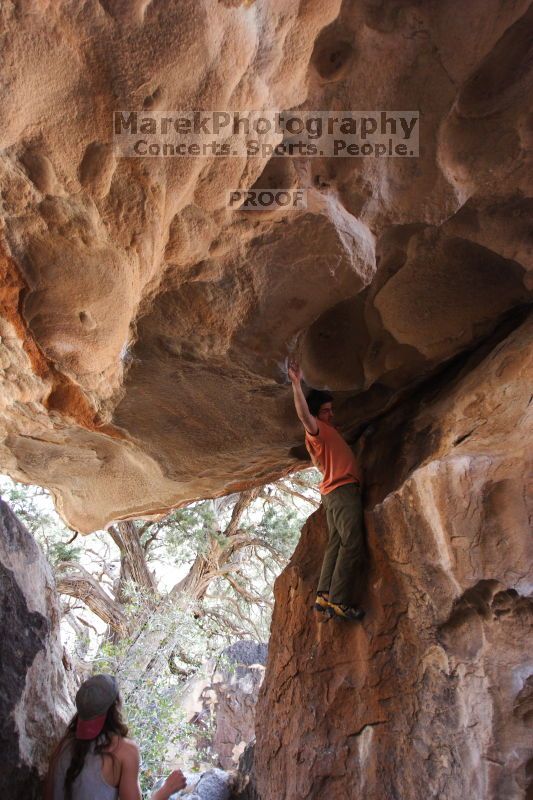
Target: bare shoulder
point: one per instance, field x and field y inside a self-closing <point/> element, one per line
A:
<point x="130" y="746"/>
<point x="126" y="750"/>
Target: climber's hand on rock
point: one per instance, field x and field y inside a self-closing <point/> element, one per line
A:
<point x="294" y="371"/>
<point x="174" y="782"/>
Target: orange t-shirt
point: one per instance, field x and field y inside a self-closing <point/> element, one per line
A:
<point x="333" y="457"/>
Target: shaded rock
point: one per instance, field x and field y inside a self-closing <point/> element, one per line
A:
<point x="34" y="699"/>
<point x="236" y="684"/>
<point x="222" y="703"/>
<point x="431" y="695"/>
<point x="245" y="780"/>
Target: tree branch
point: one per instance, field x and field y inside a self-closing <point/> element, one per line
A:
<point x="258" y="542"/>
<point x="245" y="498"/>
<point x="249" y="596"/>
<point x="288" y="490"/>
<point x="81" y="585"/>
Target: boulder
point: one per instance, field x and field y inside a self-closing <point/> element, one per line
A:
<point x="214" y="784"/>
<point x="236" y="685"/>
<point x="220" y="702"/>
<point x="34" y="697"/>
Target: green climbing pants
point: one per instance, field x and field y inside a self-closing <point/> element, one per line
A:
<point x="343" y="565"/>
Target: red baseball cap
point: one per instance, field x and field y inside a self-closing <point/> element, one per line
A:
<point x="93" y="700"/>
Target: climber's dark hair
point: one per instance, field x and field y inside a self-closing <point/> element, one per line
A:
<point x="114" y="724"/>
<point x="317" y="398"/>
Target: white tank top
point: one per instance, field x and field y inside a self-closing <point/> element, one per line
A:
<point x="89" y="785"/>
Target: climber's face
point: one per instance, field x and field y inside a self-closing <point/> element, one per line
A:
<point x="325" y="413"/>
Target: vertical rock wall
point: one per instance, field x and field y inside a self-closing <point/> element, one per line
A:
<point x="432" y="696"/>
<point x="220" y="702"/>
<point x="34" y="701"/>
<point x="236" y="687"/>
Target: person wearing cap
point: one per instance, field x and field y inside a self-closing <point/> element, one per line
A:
<point x="341" y="581"/>
<point x="95" y="760"/>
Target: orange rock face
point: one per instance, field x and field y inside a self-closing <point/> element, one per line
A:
<point x="145" y="323"/>
<point x="431" y="696"/>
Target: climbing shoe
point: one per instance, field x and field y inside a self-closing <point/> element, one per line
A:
<point x="351" y="613"/>
<point x="322" y="602"/>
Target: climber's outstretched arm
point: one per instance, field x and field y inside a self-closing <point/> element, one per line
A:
<point x="300" y="403"/>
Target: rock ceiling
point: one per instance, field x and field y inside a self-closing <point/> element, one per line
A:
<point x="145" y="324"/>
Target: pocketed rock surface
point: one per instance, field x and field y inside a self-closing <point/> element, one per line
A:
<point x="431" y="696"/>
<point x="144" y="325"/>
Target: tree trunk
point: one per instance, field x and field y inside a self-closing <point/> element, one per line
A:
<point x="153" y="645"/>
<point x="133" y="564"/>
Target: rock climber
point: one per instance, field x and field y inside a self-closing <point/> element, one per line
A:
<point x="341" y="578"/>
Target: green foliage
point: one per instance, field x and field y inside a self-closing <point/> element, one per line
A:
<point x="157" y="723"/>
<point x="31" y="504"/>
<point x="62" y="551"/>
<point x="281" y="527"/>
<point x="171" y="636"/>
<point x="185" y="533"/>
<point x="152" y="703"/>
